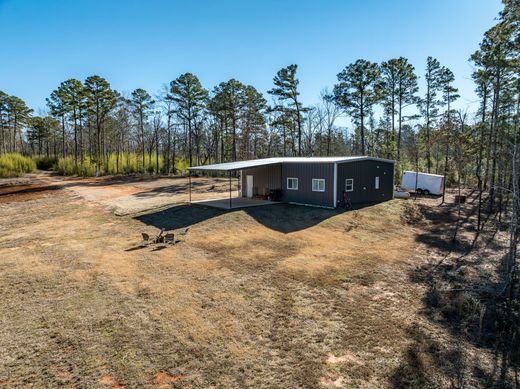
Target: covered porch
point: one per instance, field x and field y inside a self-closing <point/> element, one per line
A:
<point x="246" y="195"/>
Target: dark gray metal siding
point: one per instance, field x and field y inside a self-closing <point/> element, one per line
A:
<point x="305" y="172"/>
<point x="364" y="173"/>
<point x="264" y="178"/>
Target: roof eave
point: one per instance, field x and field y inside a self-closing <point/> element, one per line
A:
<point x="367" y="158"/>
<point x="217" y="168"/>
<point x="242" y="165"/>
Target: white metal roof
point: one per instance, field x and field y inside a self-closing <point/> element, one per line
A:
<point x="423" y="174"/>
<point x="239" y="165"/>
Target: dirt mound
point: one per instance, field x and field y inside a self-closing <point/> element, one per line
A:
<point x="19" y="193"/>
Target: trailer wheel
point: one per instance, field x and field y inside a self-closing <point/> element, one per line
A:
<point x="426" y="192"/>
<point x="419" y="191"/>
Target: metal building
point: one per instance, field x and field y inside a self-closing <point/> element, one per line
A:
<point x="319" y="181"/>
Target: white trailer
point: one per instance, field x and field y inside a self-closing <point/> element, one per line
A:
<point x="423" y="183"/>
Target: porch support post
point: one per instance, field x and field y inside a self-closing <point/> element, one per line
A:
<point x="230" y="189"/>
<point x="189" y="184"/>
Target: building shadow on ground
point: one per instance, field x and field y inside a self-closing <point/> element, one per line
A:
<point x="284" y="218"/>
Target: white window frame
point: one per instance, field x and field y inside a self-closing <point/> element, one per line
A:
<point x="351" y="185"/>
<point x="292" y="178"/>
<point x="376" y="182"/>
<point x="318" y="180"/>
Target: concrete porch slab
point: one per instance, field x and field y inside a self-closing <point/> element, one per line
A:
<point x="236" y="202"/>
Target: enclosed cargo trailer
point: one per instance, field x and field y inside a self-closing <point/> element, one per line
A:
<point x="423" y="183"/>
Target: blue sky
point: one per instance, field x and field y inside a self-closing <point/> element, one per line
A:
<point x="148" y="43"/>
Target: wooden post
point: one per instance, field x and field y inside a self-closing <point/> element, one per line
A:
<point x="230" y="189"/>
<point x="443" y="189"/>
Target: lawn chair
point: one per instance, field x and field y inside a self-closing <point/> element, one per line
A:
<point x="146" y="239"/>
<point x="159" y="238"/>
<point x="169" y="238"/>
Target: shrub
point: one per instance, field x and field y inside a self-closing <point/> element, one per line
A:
<point x="15" y="164"/>
<point x="45" y="163"/>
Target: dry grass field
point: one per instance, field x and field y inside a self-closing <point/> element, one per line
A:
<point x="279" y="296"/>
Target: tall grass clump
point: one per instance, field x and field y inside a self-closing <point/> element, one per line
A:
<point x="131" y="163"/>
<point x="68" y="167"/>
<point x="181" y="166"/>
<point x="15" y="164"/>
<point x="124" y="163"/>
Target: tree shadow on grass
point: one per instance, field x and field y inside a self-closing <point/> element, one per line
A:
<point x="432" y="360"/>
<point x="442" y="221"/>
<point x="463" y="299"/>
<point x="426" y="355"/>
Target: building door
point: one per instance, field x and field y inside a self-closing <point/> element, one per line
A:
<point x="249" y="186"/>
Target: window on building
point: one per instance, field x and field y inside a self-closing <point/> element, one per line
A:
<point x="377" y="183"/>
<point x="318" y="185"/>
<point x="292" y="183"/>
<point x="349" y="185"/>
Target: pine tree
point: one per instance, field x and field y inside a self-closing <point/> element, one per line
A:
<point x="3" y="123"/>
<point x="190" y="99"/>
<point x="19" y="115"/>
<point x="218" y="108"/>
<point x="100" y="100"/>
<point x="406" y="94"/>
<point x="449" y="95"/>
<point x="389" y="89"/>
<point x="429" y="104"/>
<point x="72" y="94"/>
<point x="142" y="104"/>
<point x="357" y="91"/>
<point x="286" y="90"/>
<point x="232" y="100"/>
<point x="253" y="119"/>
<point x="57" y="103"/>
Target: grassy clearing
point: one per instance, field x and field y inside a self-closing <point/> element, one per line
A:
<point x="276" y="296"/>
<point x="15" y="165"/>
<point x="248" y="299"/>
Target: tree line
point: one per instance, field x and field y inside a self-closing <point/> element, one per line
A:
<point x="235" y="121"/>
<point x="488" y="147"/>
<point x="184" y="121"/>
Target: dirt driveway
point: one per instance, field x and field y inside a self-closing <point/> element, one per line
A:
<point x="121" y="195"/>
